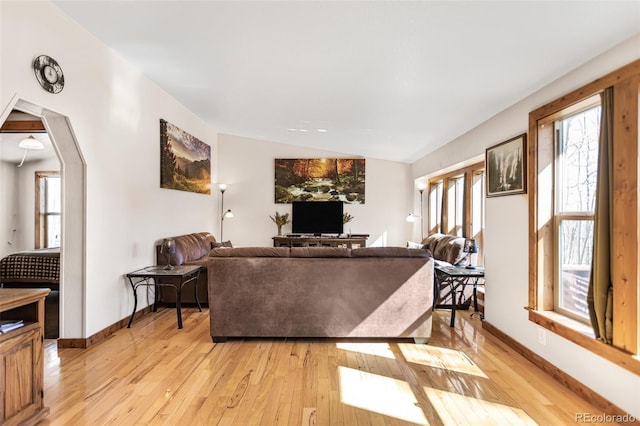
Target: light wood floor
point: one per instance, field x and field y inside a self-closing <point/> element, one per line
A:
<point x="154" y="373"/>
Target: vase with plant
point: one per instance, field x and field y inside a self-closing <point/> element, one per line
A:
<point x="280" y="220"/>
<point x="346" y="218"/>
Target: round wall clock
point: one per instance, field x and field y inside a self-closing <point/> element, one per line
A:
<point x="48" y="73"/>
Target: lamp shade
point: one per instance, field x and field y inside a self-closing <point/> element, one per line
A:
<point x="168" y="246"/>
<point x="470" y="246"/>
<point x="30" y="143"/>
<point x="412" y="217"/>
<point x="228" y="214"/>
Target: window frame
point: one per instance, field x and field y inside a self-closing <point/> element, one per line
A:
<point x="625" y="219"/>
<point x="40" y="224"/>
<point x="566" y="215"/>
<point x="447" y="181"/>
<point x="437" y="187"/>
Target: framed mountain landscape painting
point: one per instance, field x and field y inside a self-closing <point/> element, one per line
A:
<point x="185" y="161"/>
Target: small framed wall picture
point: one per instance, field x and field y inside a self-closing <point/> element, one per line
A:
<point x="506" y="167"/>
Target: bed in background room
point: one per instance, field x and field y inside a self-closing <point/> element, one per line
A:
<point x="38" y="268"/>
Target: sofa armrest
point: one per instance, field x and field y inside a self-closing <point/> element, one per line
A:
<point x="189" y="247"/>
<point x="448" y="248"/>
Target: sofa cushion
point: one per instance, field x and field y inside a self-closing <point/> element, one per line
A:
<point x="250" y="252"/>
<point x="446" y="247"/>
<point x="206" y="239"/>
<point x="389" y="252"/>
<point x="431" y="241"/>
<point x="320" y="252"/>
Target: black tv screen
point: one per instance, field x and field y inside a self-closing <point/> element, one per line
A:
<point x="317" y="217"/>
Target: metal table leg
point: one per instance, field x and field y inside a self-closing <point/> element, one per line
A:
<point x="135" y="302"/>
<point x="475" y="300"/>
<point x="453" y="302"/>
<point x="179" y="304"/>
<point x="195" y="289"/>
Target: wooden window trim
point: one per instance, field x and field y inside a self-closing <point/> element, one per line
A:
<point x="38" y="226"/>
<point x="431" y="187"/>
<point x="582" y="335"/>
<point x="447" y="180"/>
<point x="625" y="221"/>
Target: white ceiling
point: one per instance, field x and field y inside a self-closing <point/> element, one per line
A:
<point x="391" y="80"/>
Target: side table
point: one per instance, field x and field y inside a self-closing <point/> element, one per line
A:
<point x="158" y="276"/>
<point x="457" y="277"/>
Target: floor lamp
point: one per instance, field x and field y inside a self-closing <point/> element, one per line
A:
<point x="228" y="214"/>
<point x="412" y="217"/>
<point x="421" y="188"/>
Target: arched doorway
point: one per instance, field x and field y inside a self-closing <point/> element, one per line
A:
<point x="72" y="254"/>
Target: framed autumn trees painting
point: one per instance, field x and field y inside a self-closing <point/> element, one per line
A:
<point x="185" y="161"/>
<point x="320" y="179"/>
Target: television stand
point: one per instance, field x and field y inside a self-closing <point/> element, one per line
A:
<point x="353" y="241"/>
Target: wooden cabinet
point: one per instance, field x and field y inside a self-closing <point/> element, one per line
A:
<point x="22" y="357"/>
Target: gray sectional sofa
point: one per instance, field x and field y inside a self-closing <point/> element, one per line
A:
<point x="320" y="292"/>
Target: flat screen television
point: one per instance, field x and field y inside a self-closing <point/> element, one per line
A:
<point x="316" y="217"/>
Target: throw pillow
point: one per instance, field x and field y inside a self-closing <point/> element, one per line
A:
<point x="222" y="244"/>
<point x="414" y="245"/>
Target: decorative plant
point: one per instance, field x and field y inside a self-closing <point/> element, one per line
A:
<point x="280" y="220"/>
<point x="346" y="218"/>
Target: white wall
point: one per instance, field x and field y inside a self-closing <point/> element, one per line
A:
<point x="506" y="238"/>
<point x="9" y="236"/>
<point x="247" y="166"/>
<point x="114" y="111"/>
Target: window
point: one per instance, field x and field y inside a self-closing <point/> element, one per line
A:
<point x="48" y="210"/>
<point x="435" y="207"/>
<point x="575" y="188"/>
<point x="562" y="171"/>
<point x="456" y="203"/>
<point x="477" y="206"/>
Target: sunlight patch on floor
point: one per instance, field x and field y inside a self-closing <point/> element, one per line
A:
<point x="456" y="409"/>
<point x="447" y="359"/>
<point x="379" y="394"/>
<point x="377" y="349"/>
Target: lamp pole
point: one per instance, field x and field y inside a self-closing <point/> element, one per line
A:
<point x="421" y="216"/>
<point x="223" y="187"/>
<point x="421" y="187"/>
